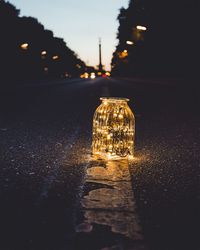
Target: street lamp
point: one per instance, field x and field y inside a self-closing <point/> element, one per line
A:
<point x="56" y="57"/>
<point x="123" y="54"/>
<point x="113" y="129"/>
<point x="24" y="46"/>
<point x="140" y="27"/>
<point x="43" y="53"/>
<point x="129" y="42"/>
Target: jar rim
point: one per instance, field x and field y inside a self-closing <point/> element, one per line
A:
<point x="114" y="99"/>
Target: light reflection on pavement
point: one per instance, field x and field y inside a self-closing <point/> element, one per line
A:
<point x="45" y="140"/>
<point x="111" y="201"/>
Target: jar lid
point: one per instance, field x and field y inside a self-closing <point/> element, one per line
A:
<point x="114" y="99"/>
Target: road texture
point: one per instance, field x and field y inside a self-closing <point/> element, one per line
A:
<point x="53" y="196"/>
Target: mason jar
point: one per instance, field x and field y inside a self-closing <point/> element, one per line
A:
<point x="113" y="129"/>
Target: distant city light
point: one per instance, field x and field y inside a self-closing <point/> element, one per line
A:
<point x="55" y="57"/>
<point x="108" y="73"/>
<point x="99" y="73"/>
<point x="46" y="69"/>
<point x="92" y="76"/>
<point x="125" y="51"/>
<point x="24" y="46"/>
<point x="129" y="42"/>
<point x="140" y="27"/>
<point x="85" y="75"/>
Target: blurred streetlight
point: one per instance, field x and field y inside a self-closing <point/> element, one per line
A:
<point x="78" y="66"/>
<point x="46" y="69"/>
<point x="140" y="27"/>
<point x="123" y="54"/>
<point x="55" y="57"/>
<point x="85" y="75"/>
<point x="129" y="42"/>
<point x="24" y="46"/>
<point x="43" y="53"/>
<point x="66" y="75"/>
<point x="92" y="75"/>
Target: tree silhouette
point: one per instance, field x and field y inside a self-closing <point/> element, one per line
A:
<point x="29" y="51"/>
<point x="169" y="45"/>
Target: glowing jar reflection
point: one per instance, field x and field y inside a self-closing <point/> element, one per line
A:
<point x="113" y="129"/>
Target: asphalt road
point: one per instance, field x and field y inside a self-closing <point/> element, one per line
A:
<point x="49" y="197"/>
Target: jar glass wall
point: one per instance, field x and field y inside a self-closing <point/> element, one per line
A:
<point x="113" y="129"/>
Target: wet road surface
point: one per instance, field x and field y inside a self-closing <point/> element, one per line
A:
<point x="54" y="196"/>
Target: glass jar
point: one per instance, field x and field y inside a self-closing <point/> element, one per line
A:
<point x="113" y="129"/>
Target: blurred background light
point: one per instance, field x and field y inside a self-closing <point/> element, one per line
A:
<point x="80" y="23"/>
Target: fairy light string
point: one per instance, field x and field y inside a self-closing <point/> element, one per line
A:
<point x="113" y="128"/>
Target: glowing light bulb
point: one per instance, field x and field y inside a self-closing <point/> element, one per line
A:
<point x="108" y="137"/>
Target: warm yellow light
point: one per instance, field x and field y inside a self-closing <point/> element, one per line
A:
<point x="99" y="73"/>
<point x="92" y="75"/>
<point x="123" y="54"/>
<point x="85" y="75"/>
<point x="129" y="42"/>
<point x="55" y="57"/>
<point x="43" y="53"/>
<point x="24" y="46"/>
<point x="108" y="73"/>
<point x="140" y="27"/>
<point x="113" y="129"/>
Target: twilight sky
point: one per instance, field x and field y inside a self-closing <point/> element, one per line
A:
<point x="80" y="23"/>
